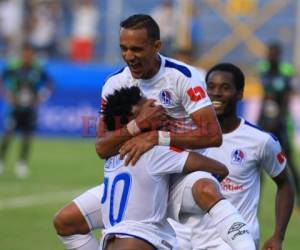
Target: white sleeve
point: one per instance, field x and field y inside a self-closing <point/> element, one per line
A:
<point x="193" y="93"/>
<point x="164" y="161"/>
<point x="273" y="159"/>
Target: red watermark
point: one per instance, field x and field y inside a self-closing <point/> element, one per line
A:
<point x="92" y="126"/>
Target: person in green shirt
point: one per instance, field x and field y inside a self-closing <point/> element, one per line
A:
<point x="276" y="77"/>
<point x="25" y="85"/>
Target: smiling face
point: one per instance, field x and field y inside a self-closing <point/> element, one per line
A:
<point x="139" y="52"/>
<point x="223" y="93"/>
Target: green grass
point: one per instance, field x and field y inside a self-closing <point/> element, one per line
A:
<point x="60" y="170"/>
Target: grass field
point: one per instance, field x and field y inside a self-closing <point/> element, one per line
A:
<point x="60" y="170"/>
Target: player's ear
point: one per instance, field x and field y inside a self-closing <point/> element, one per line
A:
<point x="157" y="46"/>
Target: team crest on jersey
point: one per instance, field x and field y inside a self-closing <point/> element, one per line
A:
<point x="237" y="157"/>
<point x="165" y="98"/>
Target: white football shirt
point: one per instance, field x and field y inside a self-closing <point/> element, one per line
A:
<point x="140" y="192"/>
<point x="178" y="87"/>
<point x="245" y="151"/>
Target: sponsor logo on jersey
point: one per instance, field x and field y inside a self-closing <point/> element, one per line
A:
<point x="237" y="157"/>
<point x="167" y="244"/>
<point x="165" y="98"/>
<point x="228" y="185"/>
<point x="237" y="229"/>
<point x="281" y="157"/>
<point x="236" y="226"/>
<point x="196" y="94"/>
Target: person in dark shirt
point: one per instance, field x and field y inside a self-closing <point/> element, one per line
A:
<point x="25" y="85"/>
<point x="276" y="77"/>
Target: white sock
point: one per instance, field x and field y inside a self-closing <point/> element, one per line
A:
<point x="80" y="242"/>
<point x="231" y="226"/>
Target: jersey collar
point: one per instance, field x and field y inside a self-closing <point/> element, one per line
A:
<point x="152" y="81"/>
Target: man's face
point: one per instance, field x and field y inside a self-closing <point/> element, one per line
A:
<point x="139" y="52"/>
<point x="222" y="92"/>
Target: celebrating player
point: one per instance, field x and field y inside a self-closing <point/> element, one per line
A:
<point x="245" y="150"/>
<point x="137" y="222"/>
<point x="180" y="90"/>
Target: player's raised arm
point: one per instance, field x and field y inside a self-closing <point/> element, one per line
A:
<point x="168" y="160"/>
<point x="199" y="128"/>
<point x="198" y="162"/>
<point x="207" y="133"/>
<point x="109" y="143"/>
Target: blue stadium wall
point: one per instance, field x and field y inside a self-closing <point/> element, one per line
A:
<point x="73" y="107"/>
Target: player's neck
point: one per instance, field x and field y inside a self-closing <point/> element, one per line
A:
<point x="229" y="123"/>
<point x="155" y="69"/>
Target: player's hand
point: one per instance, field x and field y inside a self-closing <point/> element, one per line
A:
<point x="133" y="149"/>
<point x="273" y="243"/>
<point x="151" y="117"/>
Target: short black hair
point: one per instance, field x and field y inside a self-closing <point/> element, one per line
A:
<point x="118" y="108"/>
<point x="143" y="21"/>
<point x="238" y="75"/>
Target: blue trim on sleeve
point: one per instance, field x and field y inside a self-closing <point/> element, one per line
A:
<point x="260" y="129"/>
<point x="115" y="73"/>
<point x="183" y="69"/>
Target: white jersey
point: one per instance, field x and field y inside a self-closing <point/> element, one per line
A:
<point x="140" y="193"/>
<point x="244" y="151"/>
<point x="178" y="87"/>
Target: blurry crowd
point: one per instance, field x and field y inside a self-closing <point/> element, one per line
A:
<point x="54" y="28"/>
<point x="69" y="29"/>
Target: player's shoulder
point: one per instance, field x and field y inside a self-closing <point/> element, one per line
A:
<point x="119" y="74"/>
<point x="116" y="80"/>
<point x="182" y="73"/>
<point x="257" y="134"/>
<point x="158" y="153"/>
<point x="178" y="67"/>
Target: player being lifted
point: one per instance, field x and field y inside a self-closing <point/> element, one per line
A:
<point x="180" y="90"/>
<point x="131" y="221"/>
<point x="245" y="150"/>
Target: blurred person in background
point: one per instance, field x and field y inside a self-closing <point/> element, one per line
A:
<point x="276" y="77"/>
<point x="84" y="30"/>
<point x="10" y="26"/>
<point x="163" y="14"/>
<point x="25" y="85"/>
<point x="44" y="24"/>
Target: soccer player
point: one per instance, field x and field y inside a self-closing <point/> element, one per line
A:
<point x="276" y="76"/>
<point x="180" y="90"/>
<point x="245" y="150"/>
<point x="26" y="85"/>
<point x="130" y="220"/>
